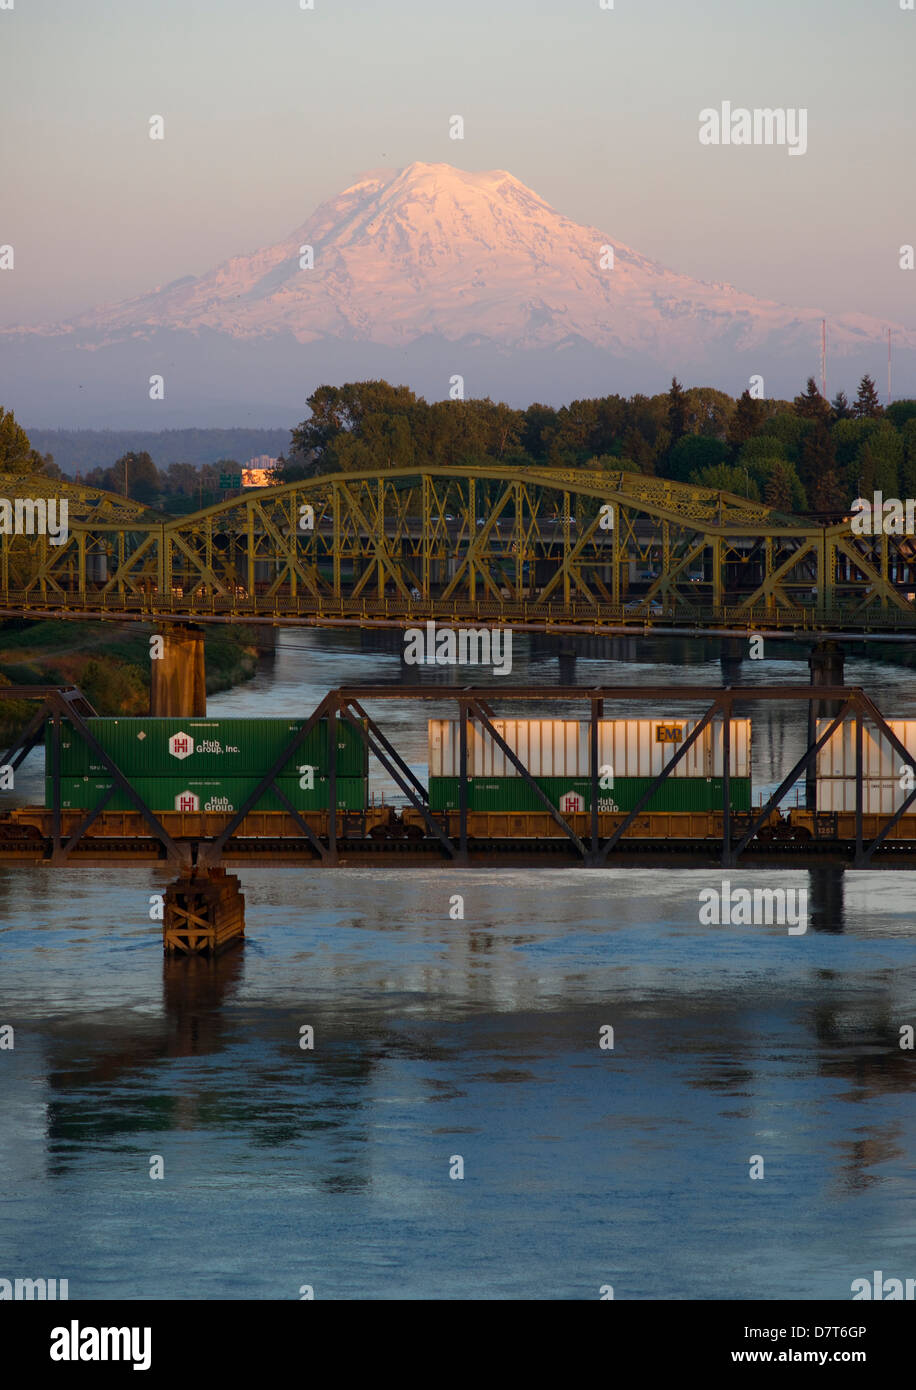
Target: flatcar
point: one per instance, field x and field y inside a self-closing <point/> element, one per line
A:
<point x="196" y="774"/>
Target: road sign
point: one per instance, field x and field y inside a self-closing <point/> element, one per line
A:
<point x="230" y="480"/>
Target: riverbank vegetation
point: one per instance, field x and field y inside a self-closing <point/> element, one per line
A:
<point x="110" y="663"/>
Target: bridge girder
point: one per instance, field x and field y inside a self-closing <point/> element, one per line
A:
<point x="459" y="543"/>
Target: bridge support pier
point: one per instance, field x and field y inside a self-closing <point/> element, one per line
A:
<point x="204" y="913"/>
<point x="265" y="639"/>
<point x="733" y="652"/>
<point x="566" y="660"/>
<point x="178" y="686"/>
<point x="826" y="664"/>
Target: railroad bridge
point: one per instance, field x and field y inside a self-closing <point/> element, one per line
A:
<point x="542" y="550"/>
<point x="204" y="908"/>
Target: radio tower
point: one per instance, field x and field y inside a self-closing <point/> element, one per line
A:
<point x="888" y="366"/>
<point x="824" y="358"/>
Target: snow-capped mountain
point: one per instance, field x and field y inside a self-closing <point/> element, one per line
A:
<point x="415" y="275"/>
<point x="437" y="250"/>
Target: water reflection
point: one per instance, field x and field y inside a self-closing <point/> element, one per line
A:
<point x="478" y="1037"/>
<point x="194" y="993"/>
<point x="826" y="896"/>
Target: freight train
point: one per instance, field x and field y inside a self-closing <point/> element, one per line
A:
<point x="195" y="774"/>
<point x="206" y="765"/>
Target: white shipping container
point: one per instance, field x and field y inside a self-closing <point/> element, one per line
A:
<point x="642" y="747"/>
<point x="547" y="748"/>
<point x="880" y="761"/>
<point x="879" y="797"/>
<point x="561" y="747"/>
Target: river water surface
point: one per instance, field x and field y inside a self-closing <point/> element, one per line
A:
<point x="444" y="1044"/>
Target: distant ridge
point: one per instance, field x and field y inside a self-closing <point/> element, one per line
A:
<point x="80" y="450"/>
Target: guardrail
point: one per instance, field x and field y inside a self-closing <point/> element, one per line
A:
<point x="325" y="609"/>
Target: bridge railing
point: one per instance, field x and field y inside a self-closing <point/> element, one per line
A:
<point x="502" y="611"/>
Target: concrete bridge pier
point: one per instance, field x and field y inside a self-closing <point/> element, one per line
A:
<point x="826" y="664"/>
<point x="178" y="686"/>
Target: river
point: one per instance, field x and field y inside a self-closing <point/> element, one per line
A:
<point x="457" y="1131"/>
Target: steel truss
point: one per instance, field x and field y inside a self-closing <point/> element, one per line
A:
<point x="536" y="548"/>
<point x="476" y="704"/>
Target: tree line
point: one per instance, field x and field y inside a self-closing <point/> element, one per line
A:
<point x="79" y="451"/>
<point x="803" y="455"/>
<point x="807" y="455"/>
<point x="181" y="487"/>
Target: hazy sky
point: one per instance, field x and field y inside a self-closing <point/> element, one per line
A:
<point x="270" y="109"/>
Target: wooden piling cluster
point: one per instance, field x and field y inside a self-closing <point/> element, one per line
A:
<point x="204" y="913"/>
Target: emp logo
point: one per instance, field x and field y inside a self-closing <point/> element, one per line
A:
<point x="181" y="745"/>
<point x="669" y="733"/>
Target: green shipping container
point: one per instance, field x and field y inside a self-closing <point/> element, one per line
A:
<point x="205" y="747"/>
<point x="575" y="794"/>
<point x="205" y="793"/>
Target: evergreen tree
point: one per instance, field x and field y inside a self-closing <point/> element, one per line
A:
<point x="818" y="470"/>
<point x="811" y="405"/>
<point x="777" y="489"/>
<point x="16" y="453"/>
<point x="867" y="405"/>
<point x="828" y="494"/>
<point x="749" y="415"/>
<point x="779" y="483"/>
<point x="678" y="410"/>
<point x="840" y="407"/>
<point x="637" y="453"/>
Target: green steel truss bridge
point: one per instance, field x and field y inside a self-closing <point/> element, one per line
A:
<point x="538" y="549"/>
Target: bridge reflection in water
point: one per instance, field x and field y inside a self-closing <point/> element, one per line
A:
<point x="112" y="1080"/>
